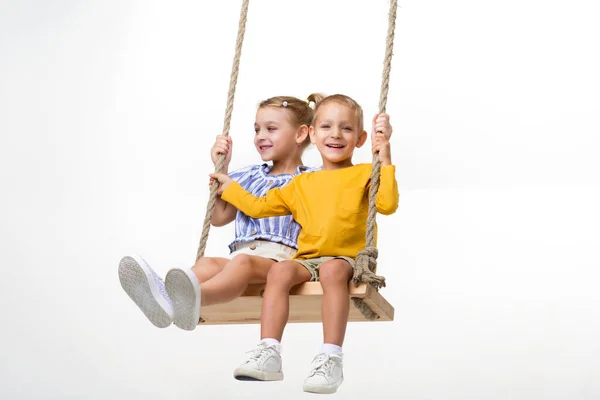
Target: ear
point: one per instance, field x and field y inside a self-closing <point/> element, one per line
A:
<point x="362" y="138"/>
<point x="301" y="134"/>
<point x="311" y="132"/>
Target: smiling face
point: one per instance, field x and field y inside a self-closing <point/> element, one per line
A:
<point x="336" y="131"/>
<point x="276" y="136"/>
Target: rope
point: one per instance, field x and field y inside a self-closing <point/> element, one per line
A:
<point x="366" y="260"/>
<point x="228" y="111"/>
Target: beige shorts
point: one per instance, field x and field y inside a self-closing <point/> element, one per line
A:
<point x="264" y="248"/>
<point x="313" y="264"/>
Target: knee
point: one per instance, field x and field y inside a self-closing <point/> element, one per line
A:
<point x="281" y="274"/>
<point x="241" y="262"/>
<point x="335" y="272"/>
<point x="205" y="262"/>
<point x="205" y="268"/>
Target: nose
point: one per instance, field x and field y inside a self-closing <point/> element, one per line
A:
<point x="335" y="133"/>
<point x="260" y="135"/>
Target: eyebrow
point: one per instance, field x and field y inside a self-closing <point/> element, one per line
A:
<point x="343" y="122"/>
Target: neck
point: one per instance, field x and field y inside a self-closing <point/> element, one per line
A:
<point x="330" y="166"/>
<point x="287" y="166"/>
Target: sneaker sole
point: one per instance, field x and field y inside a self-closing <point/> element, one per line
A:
<point x="184" y="290"/>
<point x="138" y="282"/>
<point x="248" y="374"/>
<point x="322" y="389"/>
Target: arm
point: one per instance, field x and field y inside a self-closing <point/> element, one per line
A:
<point x="223" y="213"/>
<point x="387" y="198"/>
<point x="276" y="202"/>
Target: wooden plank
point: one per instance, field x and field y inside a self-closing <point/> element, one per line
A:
<point x="305" y="305"/>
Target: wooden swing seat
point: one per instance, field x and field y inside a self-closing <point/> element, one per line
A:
<point x="305" y="305"/>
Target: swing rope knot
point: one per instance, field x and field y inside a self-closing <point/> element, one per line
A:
<point x="366" y="264"/>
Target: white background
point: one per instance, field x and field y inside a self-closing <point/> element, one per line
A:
<point x="107" y="113"/>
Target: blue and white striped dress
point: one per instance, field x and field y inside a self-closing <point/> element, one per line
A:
<point x="256" y="180"/>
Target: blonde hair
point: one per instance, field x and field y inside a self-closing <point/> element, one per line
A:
<point x="299" y="111"/>
<point x="343" y="100"/>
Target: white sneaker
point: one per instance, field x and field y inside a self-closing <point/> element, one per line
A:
<point x="146" y="289"/>
<point x="326" y="374"/>
<point x="264" y="364"/>
<point x="184" y="289"/>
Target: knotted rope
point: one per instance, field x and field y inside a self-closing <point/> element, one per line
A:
<point x="366" y="260"/>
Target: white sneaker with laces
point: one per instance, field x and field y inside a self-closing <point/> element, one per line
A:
<point x="326" y="374"/>
<point x="184" y="289"/>
<point x="146" y="289"/>
<point x="264" y="364"/>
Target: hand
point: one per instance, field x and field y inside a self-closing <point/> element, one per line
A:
<point x="223" y="179"/>
<point x="223" y="145"/>
<point x="381" y="124"/>
<point x="382" y="145"/>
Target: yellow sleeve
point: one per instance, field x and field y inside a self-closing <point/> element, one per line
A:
<point x="387" y="196"/>
<point x="275" y="203"/>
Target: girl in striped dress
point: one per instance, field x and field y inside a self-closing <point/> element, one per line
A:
<point x="281" y="136"/>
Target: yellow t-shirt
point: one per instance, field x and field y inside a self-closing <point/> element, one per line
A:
<point x="331" y="206"/>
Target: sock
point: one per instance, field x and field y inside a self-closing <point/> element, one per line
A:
<point x="272" y="342"/>
<point x="328" y="348"/>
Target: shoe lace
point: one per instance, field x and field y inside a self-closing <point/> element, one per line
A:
<point x="260" y="353"/>
<point x="323" y="364"/>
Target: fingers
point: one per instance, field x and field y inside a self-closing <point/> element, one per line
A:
<point x="220" y="149"/>
<point x="224" y="138"/>
<point x="223" y="179"/>
<point x="379" y="138"/>
<point x="381" y="118"/>
<point x="379" y="142"/>
<point x="223" y="142"/>
<point x="378" y="147"/>
<point x="220" y="188"/>
<point x="381" y="124"/>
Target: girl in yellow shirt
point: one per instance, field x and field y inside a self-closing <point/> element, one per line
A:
<point x="331" y="206"/>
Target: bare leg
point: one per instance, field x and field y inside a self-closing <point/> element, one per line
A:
<point x="276" y="299"/>
<point x="207" y="267"/>
<point x="231" y="282"/>
<point x="334" y="276"/>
